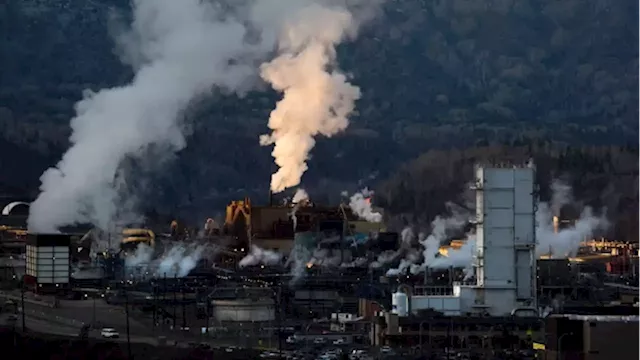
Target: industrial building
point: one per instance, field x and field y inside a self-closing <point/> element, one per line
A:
<point x="504" y="259"/>
<point x="590" y="337"/>
<point x="239" y="305"/>
<point x="47" y="262"/>
<point x="272" y="227"/>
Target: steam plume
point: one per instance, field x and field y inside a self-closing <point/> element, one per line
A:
<point x="430" y="245"/>
<point x="561" y="195"/>
<point x="259" y="256"/>
<point x="566" y="241"/>
<point x="317" y="98"/>
<point x="360" y="204"/>
<point x="182" y="49"/>
<point x="299" y="198"/>
<point x="177" y="260"/>
<point x="561" y="244"/>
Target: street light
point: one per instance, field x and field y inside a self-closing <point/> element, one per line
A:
<point x="559" y="356"/>
<point x="420" y="334"/>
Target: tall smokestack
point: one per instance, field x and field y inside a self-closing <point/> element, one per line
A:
<point x="270" y="197"/>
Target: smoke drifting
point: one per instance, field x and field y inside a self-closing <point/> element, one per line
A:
<point x="415" y="261"/>
<point x="300" y="196"/>
<point x="360" y="204"/>
<point x="564" y="243"/>
<point x="317" y="98"/>
<point x="182" y="49"/>
<point x="176" y="261"/>
<point x="258" y="256"/>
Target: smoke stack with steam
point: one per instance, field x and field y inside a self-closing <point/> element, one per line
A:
<point x="317" y="98"/>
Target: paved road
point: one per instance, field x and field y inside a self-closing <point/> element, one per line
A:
<point x="40" y="325"/>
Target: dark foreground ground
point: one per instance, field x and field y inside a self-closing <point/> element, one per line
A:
<point x="42" y="346"/>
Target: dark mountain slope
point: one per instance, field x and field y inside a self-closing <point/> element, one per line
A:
<point x="434" y="74"/>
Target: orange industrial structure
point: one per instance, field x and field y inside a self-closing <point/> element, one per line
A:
<point x="272" y="227"/>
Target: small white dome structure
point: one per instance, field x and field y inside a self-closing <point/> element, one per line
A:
<point x="11" y="208"/>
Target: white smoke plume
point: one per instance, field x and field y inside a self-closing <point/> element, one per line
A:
<point x="562" y="244"/>
<point x="406" y="243"/>
<point x="561" y="195"/>
<point x="430" y="244"/>
<point x="565" y="242"/>
<point x="180" y="50"/>
<point x="317" y="97"/>
<point x="259" y="256"/>
<point x="183" y="49"/>
<point x="298" y="260"/>
<point x="459" y="258"/>
<point x="177" y="260"/>
<point x="330" y="257"/>
<point x="299" y="198"/>
<point x="384" y="258"/>
<point x="411" y="255"/>
<point x="360" y="204"/>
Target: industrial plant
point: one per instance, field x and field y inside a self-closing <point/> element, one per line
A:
<point x="289" y="273"/>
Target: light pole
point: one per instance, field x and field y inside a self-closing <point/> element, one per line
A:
<point x="24" y="325"/>
<point x="420" y="334"/>
<point x="93" y="315"/>
<point x="559" y="356"/>
<point x="126" y="309"/>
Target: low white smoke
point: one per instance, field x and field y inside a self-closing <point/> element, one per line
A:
<point x="141" y="257"/>
<point x="411" y="255"/>
<point x="259" y="256"/>
<point x="357" y="262"/>
<point x="431" y="244"/>
<point x="406" y="244"/>
<point x="385" y="258"/>
<point x="417" y="262"/>
<point x="561" y="195"/>
<point x="564" y="243"/>
<point x="299" y="199"/>
<point x="458" y="258"/>
<point x="297" y="261"/>
<point x="177" y="260"/>
<point x="317" y="97"/>
<point x="330" y="258"/>
<point x="300" y="196"/>
<point x="360" y="204"/>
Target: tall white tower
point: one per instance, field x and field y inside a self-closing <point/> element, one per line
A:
<point x="505" y="238"/>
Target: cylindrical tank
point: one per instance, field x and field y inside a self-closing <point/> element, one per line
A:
<point x="400" y="304"/>
<point x="244" y="310"/>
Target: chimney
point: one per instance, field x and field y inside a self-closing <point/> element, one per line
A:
<point x="270" y="197"/>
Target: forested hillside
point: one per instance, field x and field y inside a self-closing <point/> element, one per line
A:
<point x="435" y="74"/>
<point x="602" y="177"/>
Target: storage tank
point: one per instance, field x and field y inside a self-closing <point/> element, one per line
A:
<point x="244" y="310"/>
<point x="400" y="304"/>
